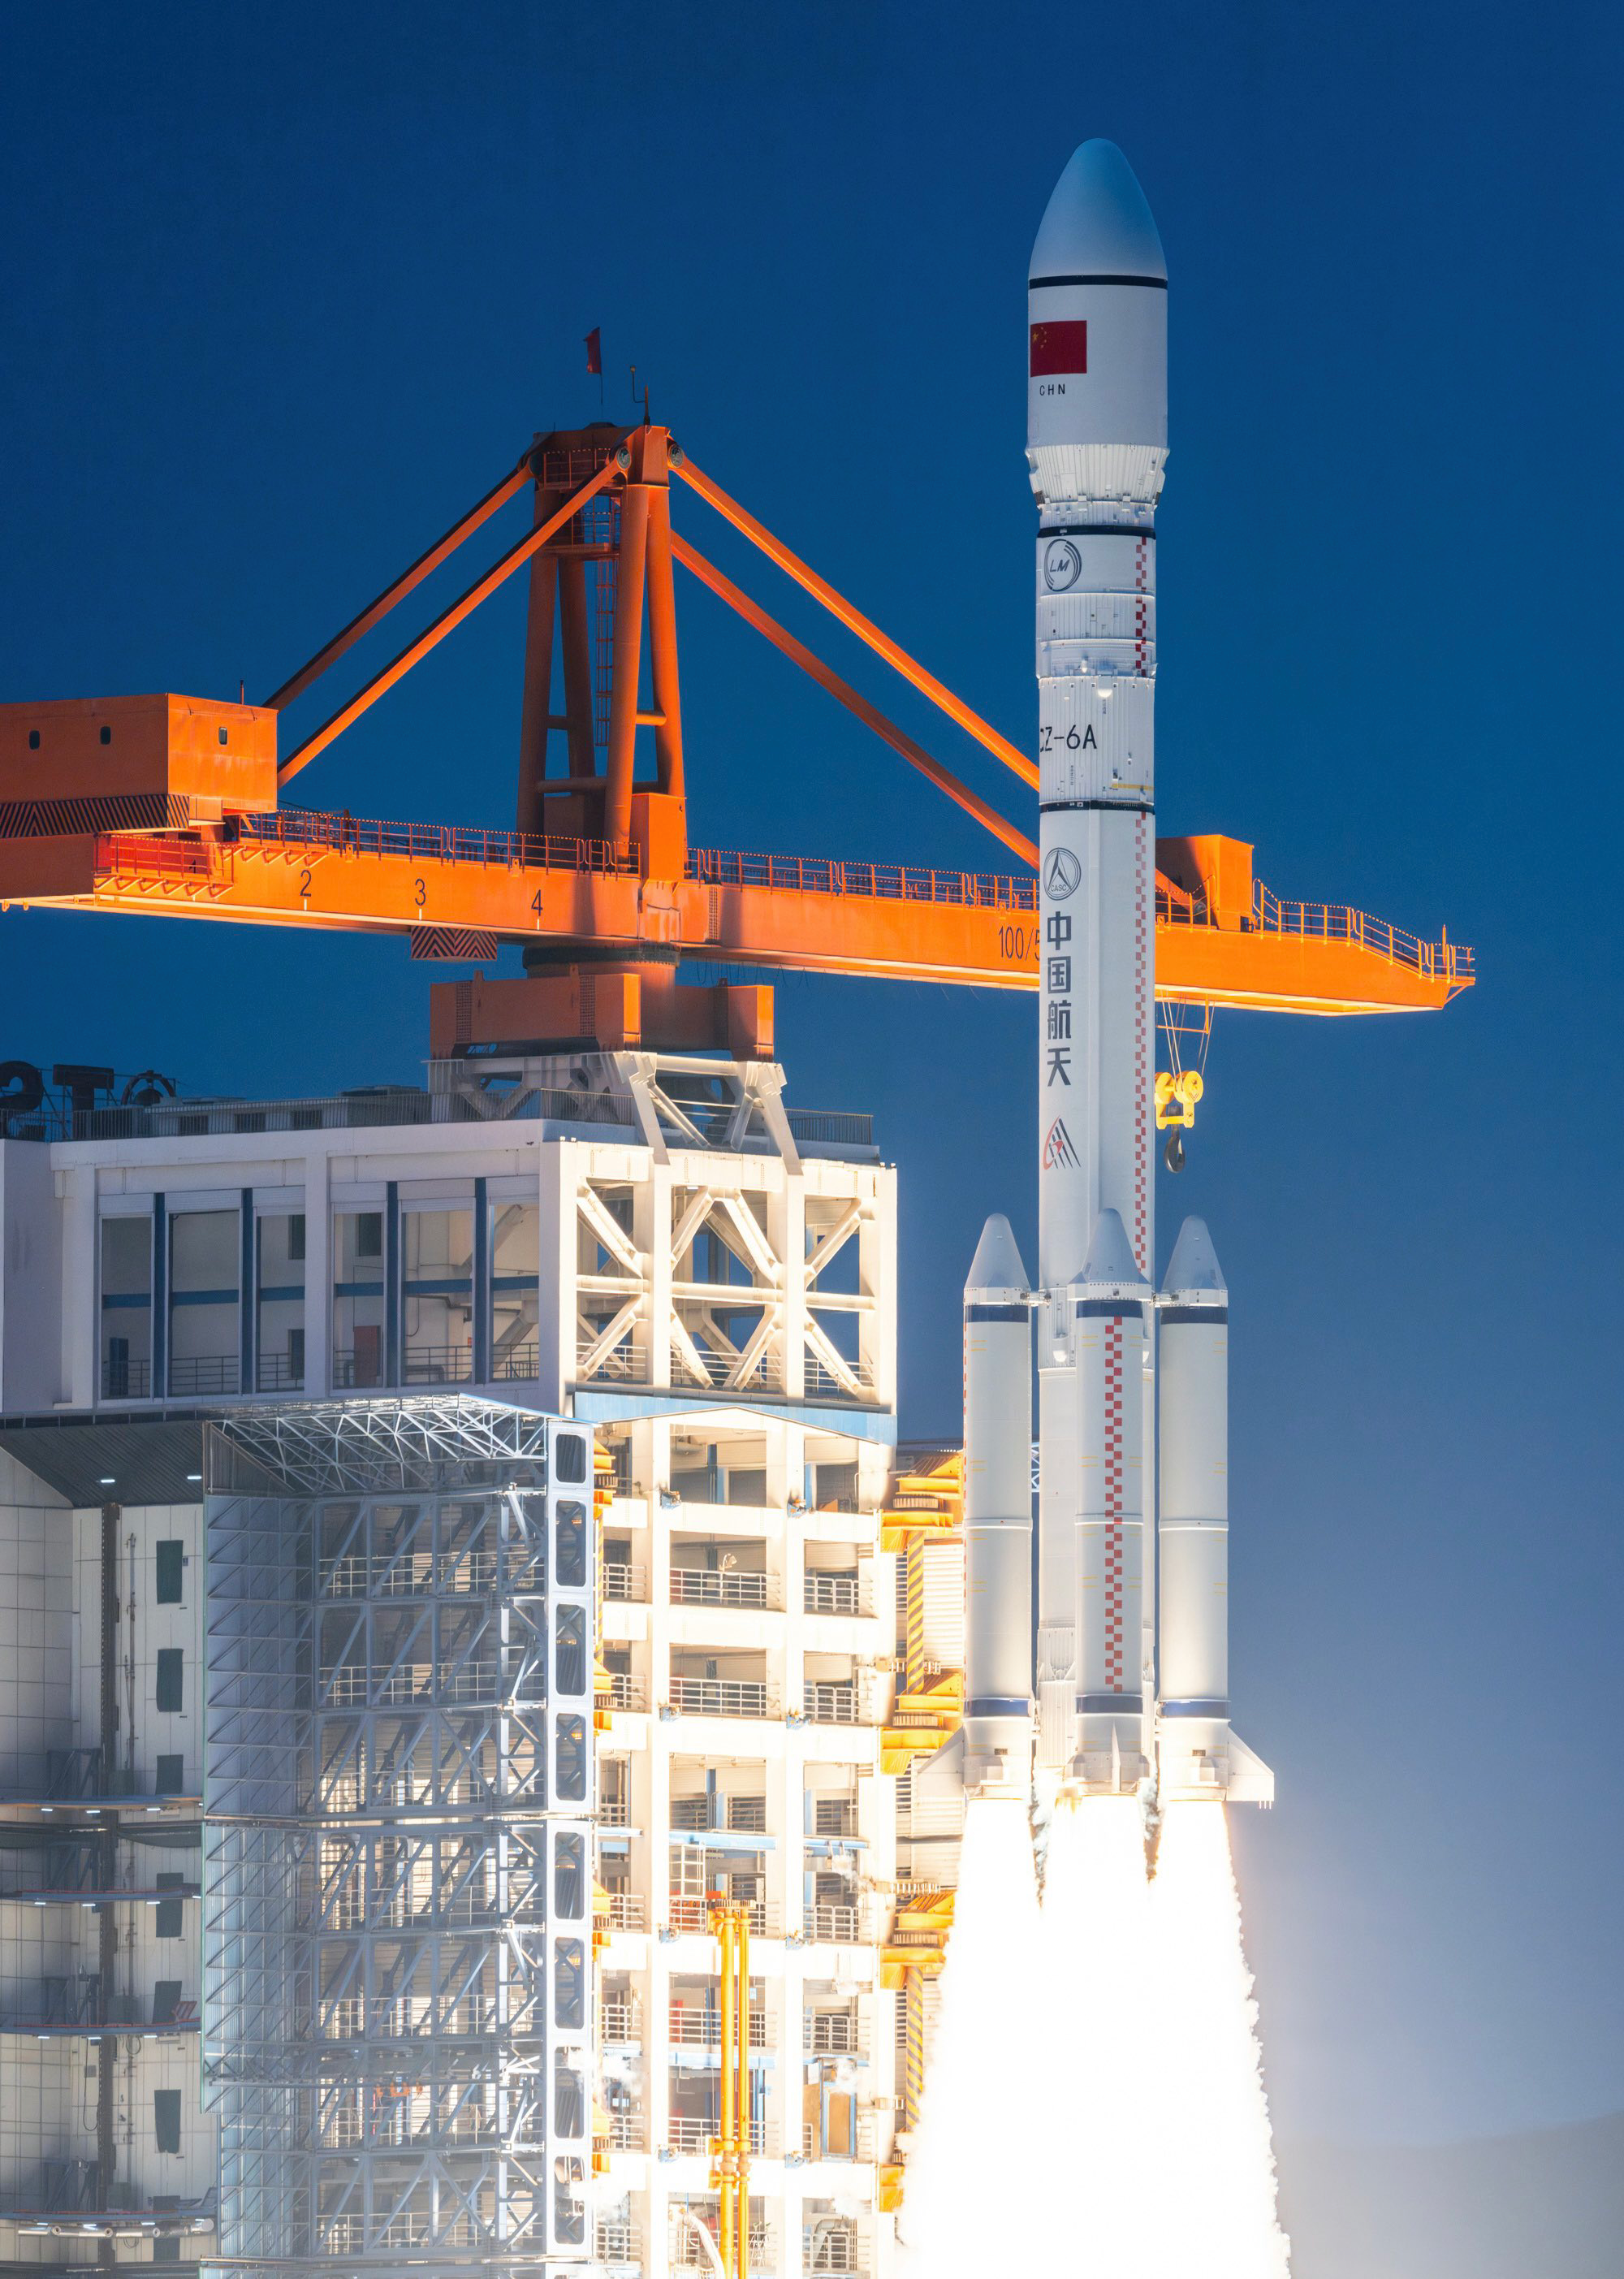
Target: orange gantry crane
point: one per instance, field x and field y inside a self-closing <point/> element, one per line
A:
<point x="175" y="805"/>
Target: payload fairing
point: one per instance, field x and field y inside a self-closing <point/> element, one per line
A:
<point x="1109" y="1706"/>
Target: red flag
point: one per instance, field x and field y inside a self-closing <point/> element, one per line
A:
<point x="1058" y="348"/>
<point x="594" y="353"/>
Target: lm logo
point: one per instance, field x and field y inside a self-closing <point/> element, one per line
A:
<point x="1059" y="1154"/>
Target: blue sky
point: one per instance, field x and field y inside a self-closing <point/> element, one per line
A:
<point x="285" y="288"/>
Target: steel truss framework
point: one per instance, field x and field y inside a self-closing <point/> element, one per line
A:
<point x="710" y="1282"/>
<point x="398" y="2038"/>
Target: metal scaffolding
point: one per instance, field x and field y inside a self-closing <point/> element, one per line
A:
<point x="398" y="1961"/>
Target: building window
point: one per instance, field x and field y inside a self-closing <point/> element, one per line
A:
<point x="436" y="1297"/>
<point x="166" y="2118"/>
<point x="515" y="1261"/>
<point x="279" y="1333"/>
<point x="834" y="1487"/>
<point x="357" y="1300"/>
<point x="568" y="2103"/>
<point x="165" y="2002"/>
<point x="171" y="1777"/>
<point x="204" y="1354"/>
<point x="170" y="1677"/>
<point x="126" y="1309"/>
<point x="696" y="1476"/>
<point x="569" y="1454"/>
<point x="168" y="1911"/>
<point x="170" y="1559"/>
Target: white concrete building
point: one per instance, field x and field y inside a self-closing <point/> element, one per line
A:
<point x="652" y="1245"/>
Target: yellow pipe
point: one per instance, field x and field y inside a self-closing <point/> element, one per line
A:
<point x="727" y="2140"/>
<point x="741" y="2168"/>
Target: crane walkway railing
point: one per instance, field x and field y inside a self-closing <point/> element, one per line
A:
<point x="1334" y="922"/>
<point x="430" y="842"/>
<point x="133" y="855"/>
<point x="1443" y="959"/>
<point x="884" y="882"/>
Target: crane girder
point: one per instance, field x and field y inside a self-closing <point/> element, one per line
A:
<point x="445" y="887"/>
<point x="170" y="805"/>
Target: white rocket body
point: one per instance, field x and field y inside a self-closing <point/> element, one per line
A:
<point x="1199" y="1754"/>
<point x="1096" y="446"/>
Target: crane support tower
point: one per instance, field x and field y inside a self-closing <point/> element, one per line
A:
<point x="176" y="805"/>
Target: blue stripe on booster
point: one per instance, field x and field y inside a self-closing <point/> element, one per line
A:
<point x="1018" y="1313"/>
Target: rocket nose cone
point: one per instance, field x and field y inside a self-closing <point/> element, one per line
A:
<point x="1098" y="223"/>
<point x="1110" y="1254"/>
<point x="997" y="1263"/>
<point x="1194" y="1263"/>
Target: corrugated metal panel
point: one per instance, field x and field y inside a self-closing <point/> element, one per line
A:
<point x="1103" y="473"/>
<point x="940" y="1594"/>
<point x="936" y="1811"/>
<point x="112" y="1460"/>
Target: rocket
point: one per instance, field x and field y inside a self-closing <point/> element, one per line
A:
<point x="1097" y="428"/>
<point x="1128" y="1685"/>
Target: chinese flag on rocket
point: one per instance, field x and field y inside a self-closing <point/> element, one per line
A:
<point x="1061" y="347"/>
<point x="594" y="351"/>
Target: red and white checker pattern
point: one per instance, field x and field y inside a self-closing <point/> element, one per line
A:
<point x="1141" y="608"/>
<point x="1114" y="1644"/>
<point x="1143" y="1016"/>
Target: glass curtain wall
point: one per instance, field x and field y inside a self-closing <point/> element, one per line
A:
<point x="357" y="1300"/>
<point x="279" y="1333"/>
<point x="515" y="1265"/>
<point x="436" y="1296"/>
<point x="126" y="1309"/>
<point x="204" y="1335"/>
